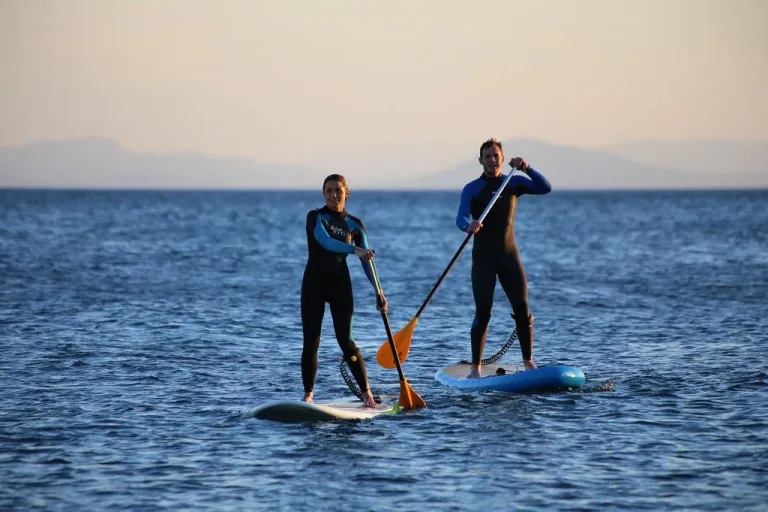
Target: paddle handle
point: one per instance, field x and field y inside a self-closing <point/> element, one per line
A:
<point x="480" y="219"/>
<point x="390" y="338"/>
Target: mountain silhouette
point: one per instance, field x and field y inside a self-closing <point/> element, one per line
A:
<point x="95" y="163"/>
<point x="576" y="168"/>
<point x="102" y="163"/>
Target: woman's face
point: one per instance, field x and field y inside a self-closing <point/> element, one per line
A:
<point x="335" y="195"/>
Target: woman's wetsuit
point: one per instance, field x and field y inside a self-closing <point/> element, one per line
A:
<point x="494" y="253"/>
<point x="331" y="236"/>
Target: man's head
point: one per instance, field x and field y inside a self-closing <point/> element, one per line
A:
<point x="491" y="157"/>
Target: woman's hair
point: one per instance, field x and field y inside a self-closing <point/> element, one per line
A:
<point x="337" y="177"/>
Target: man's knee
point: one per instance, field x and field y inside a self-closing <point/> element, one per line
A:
<point x="523" y="318"/>
<point x="520" y="309"/>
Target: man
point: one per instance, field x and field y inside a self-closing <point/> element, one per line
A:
<point x="494" y="252"/>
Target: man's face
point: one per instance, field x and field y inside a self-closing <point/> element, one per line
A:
<point x="492" y="160"/>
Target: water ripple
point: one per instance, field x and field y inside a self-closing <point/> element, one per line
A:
<point x="140" y="329"/>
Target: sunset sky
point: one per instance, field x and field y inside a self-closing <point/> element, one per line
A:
<point x="408" y="83"/>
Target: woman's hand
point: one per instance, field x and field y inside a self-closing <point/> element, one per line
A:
<point x="382" y="304"/>
<point x="364" y="254"/>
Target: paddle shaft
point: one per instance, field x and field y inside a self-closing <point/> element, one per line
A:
<point x="463" y="245"/>
<point x="390" y="338"/>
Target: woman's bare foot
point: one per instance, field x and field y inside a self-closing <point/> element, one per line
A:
<point x="308" y="398"/>
<point x="368" y="400"/>
<point x="530" y="365"/>
<point x="474" y="372"/>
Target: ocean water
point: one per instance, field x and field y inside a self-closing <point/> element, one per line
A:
<point x="138" y="330"/>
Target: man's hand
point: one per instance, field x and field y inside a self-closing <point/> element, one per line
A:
<point x="519" y="164"/>
<point x="474" y="227"/>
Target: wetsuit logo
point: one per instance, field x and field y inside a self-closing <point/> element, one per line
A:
<point x="337" y="231"/>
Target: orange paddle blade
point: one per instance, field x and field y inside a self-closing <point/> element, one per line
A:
<point x="402" y="344"/>
<point x="409" y="399"/>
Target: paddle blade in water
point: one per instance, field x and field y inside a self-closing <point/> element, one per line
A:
<point x="409" y="399"/>
<point x="402" y="340"/>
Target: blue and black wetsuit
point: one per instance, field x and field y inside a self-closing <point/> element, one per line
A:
<point x="494" y="253"/>
<point x="331" y="236"/>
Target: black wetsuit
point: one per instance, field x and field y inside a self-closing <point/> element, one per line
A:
<point x="494" y="253"/>
<point x="331" y="236"/>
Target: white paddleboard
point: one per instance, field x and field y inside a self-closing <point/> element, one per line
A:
<point x="295" y="411"/>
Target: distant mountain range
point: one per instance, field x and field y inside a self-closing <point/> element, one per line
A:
<point x="696" y="156"/>
<point x="97" y="163"/>
<point x="102" y="163"/>
<point x="621" y="167"/>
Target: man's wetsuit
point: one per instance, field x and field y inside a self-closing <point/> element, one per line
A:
<point x="494" y="253"/>
<point x="330" y="238"/>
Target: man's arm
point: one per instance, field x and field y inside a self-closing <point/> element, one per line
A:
<point x="463" y="216"/>
<point x="532" y="183"/>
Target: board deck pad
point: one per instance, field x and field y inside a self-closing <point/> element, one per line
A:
<point x="296" y="411"/>
<point x="461" y="370"/>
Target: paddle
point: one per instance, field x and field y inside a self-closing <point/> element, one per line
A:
<point x="402" y="340"/>
<point x="409" y="399"/>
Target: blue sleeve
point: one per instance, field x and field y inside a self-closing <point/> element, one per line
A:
<point x="533" y="182"/>
<point x="327" y="242"/>
<point x="358" y="231"/>
<point x="463" y="216"/>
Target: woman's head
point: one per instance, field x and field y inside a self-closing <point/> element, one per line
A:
<point x="335" y="192"/>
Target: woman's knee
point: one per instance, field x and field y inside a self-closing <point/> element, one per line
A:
<point x="482" y="317"/>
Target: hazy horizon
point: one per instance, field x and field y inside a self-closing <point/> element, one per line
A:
<point x="393" y="87"/>
<point x="97" y="163"/>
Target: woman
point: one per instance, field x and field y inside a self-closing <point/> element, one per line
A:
<point x="332" y="234"/>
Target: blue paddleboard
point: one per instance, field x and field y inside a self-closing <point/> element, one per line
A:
<point x="511" y="378"/>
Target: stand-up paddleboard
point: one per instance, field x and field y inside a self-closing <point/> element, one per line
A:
<point x="511" y="378"/>
<point x="296" y="411"/>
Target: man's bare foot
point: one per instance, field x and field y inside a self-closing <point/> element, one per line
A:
<point x="308" y="398"/>
<point x="474" y="372"/>
<point x="368" y="400"/>
<point x="530" y="365"/>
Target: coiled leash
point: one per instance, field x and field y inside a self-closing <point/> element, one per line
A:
<point x="351" y="382"/>
<point x="498" y="355"/>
